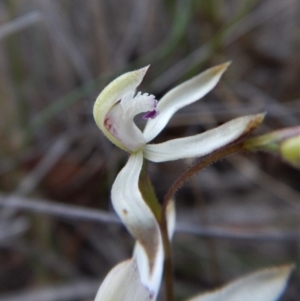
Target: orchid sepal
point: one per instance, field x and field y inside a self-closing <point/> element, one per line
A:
<point x="264" y="285"/>
<point x="123" y="86"/>
<point x="183" y="95"/>
<point x="138" y="278"/>
<point x="140" y="221"/>
<point x="204" y="143"/>
<point x="123" y="283"/>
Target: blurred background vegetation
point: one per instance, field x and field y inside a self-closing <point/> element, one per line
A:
<point x="237" y="216"/>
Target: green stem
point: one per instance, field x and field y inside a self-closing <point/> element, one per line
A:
<point x="148" y="192"/>
<point x="168" y="264"/>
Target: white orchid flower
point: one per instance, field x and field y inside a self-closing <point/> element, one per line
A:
<point x="117" y="105"/>
<point x="139" y="278"/>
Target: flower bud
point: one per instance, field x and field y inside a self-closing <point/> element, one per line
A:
<point x="285" y="143"/>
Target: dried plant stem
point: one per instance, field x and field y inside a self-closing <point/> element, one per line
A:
<point x="80" y="214"/>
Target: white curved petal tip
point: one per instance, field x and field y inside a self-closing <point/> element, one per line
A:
<point x="182" y="95"/>
<point x="123" y="284"/>
<point x="142" y="70"/>
<point x="264" y="285"/>
<point x="254" y="122"/>
<point x="221" y="68"/>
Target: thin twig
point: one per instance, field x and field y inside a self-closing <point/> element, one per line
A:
<point x="79" y="290"/>
<point x="132" y="32"/>
<point x="233" y="233"/>
<point x="270" y="104"/>
<point x="58" y="210"/>
<point x="231" y="34"/>
<point x="56" y="24"/>
<point x="14" y="228"/>
<point x="275" y="187"/>
<point x="32" y="179"/>
<point x="18" y="24"/>
<point x="79" y="214"/>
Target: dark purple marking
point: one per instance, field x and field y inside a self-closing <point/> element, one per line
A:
<point x="150" y="114"/>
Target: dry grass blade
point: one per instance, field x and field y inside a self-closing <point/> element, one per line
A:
<point x="277" y="188"/>
<point x="58" y="210"/>
<point x="19" y="24"/>
<point x="257" y="17"/>
<point x="57" y="29"/>
<point x="32" y="179"/>
<point x="78" y="214"/>
<point x="78" y="290"/>
<point x="14" y="228"/>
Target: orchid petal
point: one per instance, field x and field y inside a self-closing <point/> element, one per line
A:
<point x="119" y="120"/>
<point x="123" y="284"/>
<point x="181" y="96"/>
<point x="124" y="129"/>
<point x="204" y="143"/>
<point x="140" y="221"/>
<point x="265" y="285"/>
<point x="121" y="87"/>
